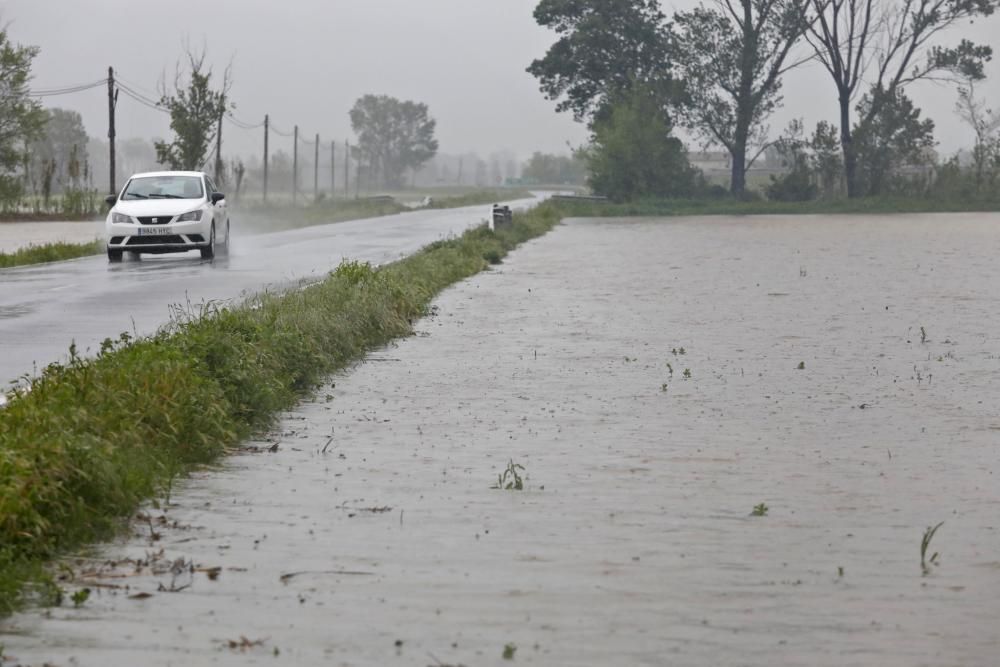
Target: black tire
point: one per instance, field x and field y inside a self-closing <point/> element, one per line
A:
<point x="134" y="254"/>
<point x="223" y="247"/>
<point x="208" y="252"/>
<point x="114" y="255"/>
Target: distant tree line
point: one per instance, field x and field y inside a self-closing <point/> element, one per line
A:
<point x="635" y="76"/>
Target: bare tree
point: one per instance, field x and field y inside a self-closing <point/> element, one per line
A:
<point x="731" y="58"/>
<point x="889" y="43"/>
<point x="985" y="123"/>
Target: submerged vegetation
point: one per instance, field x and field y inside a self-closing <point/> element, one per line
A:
<point x="79" y="456"/>
<point x="49" y="252"/>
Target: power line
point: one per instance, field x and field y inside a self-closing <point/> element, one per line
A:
<point x="144" y="102"/>
<point x="242" y="124"/>
<point x="66" y="90"/>
<point x="139" y="97"/>
<point x="279" y="132"/>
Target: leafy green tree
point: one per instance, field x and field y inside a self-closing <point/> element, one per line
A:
<point x="886" y="140"/>
<point x="793" y="154"/>
<point x="555" y="169"/>
<point x="393" y="136"/>
<point x="882" y="42"/>
<point x="195" y="112"/>
<point x="604" y="47"/>
<point x="21" y="118"/>
<point x="633" y="153"/>
<point x="826" y="157"/>
<point x="731" y="58"/>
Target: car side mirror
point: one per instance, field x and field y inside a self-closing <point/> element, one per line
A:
<point x="217" y="197"/>
<point x="111" y="199"/>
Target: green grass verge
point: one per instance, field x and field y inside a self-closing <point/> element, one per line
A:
<point x="49" y="252"/>
<point x="95" y="437"/>
<point x="276" y="217"/>
<point x="676" y="207"/>
<point x="479" y="197"/>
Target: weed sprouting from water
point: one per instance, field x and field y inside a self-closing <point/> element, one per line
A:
<point x="923" y="335"/>
<point x="664" y="387"/>
<point x="687" y="373"/>
<point x="670" y="368"/>
<point x="760" y="509"/>
<point x="840" y="571"/>
<point x="925" y="544"/>
<point x="801" y="366"/>
<point x="508" y="651"/>
<point x="510" y="478"/>
<point x="80" y="597"/>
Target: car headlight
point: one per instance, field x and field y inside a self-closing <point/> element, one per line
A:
<point x="121" y="218"/>
<point x="193" y="216"/>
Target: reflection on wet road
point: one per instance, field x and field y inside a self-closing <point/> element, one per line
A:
<point x="44" y="308"/>
<point x="371" y="536"/>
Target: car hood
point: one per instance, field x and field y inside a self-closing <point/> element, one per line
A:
<point x="164" y="207"/>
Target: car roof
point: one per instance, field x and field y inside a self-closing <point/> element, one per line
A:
<point x="168" y="173"/>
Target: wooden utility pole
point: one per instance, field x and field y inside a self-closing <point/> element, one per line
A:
<point x="267" y="126"/>
<point x="333" y="168"/>
<point x="316" y="170"/>
<point x="112" y="102"/>
<point x="218" y="150"/>
<point x="295" y="165"/>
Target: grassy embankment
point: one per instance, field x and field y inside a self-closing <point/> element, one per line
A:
<point x="479" y="197"/>
<point x="95" y="437"/>
<point x="49" y="252"/>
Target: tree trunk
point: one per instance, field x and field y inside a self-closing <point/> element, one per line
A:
<point x="738" y="179"/>
<point x="847" y="144"/>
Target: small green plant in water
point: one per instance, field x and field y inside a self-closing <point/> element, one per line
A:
<point x="508" y="651"/>
<point x="663" y="387"/>
<point x="687" y="373"/>
<point x="801" y="366"/>
<point x="923" y="335"/>
<point x="80" y="597"/>
<point x="840" y="571"/>
<point x="510" y="479"/>
<point x="759" y="510"/>
<point x="670" y="368"/>
<point x="925" y="544"/>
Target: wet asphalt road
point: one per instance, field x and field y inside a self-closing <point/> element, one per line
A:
<point x="45" y="308"/>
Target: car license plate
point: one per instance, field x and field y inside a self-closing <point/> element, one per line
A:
<point x="155" y="231"/>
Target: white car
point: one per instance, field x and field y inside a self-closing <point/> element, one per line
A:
<point x="167" y="211"/>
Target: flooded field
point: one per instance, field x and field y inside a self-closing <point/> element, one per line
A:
<point x="17" y="235"/>
<point x="734" y="433"/>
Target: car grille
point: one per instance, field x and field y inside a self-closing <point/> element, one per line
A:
<point x="155" y="219"/>
<point x="155" y="240"/>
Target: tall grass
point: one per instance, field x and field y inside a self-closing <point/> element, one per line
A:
<point x="49" y="252"/>
<point x="95" y="437"/>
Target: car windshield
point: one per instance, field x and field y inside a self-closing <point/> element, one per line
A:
<point x="164" y="187"/>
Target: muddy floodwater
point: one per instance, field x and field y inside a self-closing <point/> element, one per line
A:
<point x="658" y="380"/>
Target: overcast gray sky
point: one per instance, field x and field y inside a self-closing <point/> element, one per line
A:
<point x="306" y="61"/>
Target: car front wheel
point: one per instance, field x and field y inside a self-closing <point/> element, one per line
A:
<point x="114" y="255"/>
